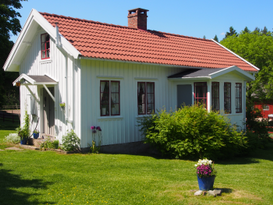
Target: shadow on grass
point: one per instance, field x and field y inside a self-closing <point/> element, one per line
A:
<point x="10" y="182"/>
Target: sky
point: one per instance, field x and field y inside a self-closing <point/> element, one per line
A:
<point x="196" y="18"/>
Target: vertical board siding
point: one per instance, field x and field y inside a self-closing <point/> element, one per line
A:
<point x="55" y="67"/>
<point x="123" y="128"/>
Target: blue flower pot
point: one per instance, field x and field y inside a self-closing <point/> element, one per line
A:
<point x="23" y="141"/>
<point x="35" y="135"/>
<point x="205" y="183"/>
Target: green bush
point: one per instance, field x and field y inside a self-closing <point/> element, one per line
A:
<point x="192" y="132"/>
<point x="12" y="138"/>
<point x="71" y="142"/>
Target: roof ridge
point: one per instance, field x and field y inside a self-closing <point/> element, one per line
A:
<point x="126" y="27"/>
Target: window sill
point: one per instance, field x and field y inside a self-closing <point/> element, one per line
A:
<point x="44" y="61"/>
<point x="138" y="116"/>
<point x="110" y="118"/>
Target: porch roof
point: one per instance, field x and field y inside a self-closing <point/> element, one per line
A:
<point x="211" y="73"/>
<point x="35" y="80"/>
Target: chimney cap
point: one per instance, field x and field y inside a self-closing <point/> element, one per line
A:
<point x="139" y="9"/>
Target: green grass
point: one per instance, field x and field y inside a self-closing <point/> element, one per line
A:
<point x="46" y="177"/>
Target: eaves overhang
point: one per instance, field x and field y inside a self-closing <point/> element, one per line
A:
<point x="23" y="41"/>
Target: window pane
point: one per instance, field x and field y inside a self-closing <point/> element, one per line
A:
<point x="227" y="97"/>
<point x="150" y="98"/>
<point x="141" y="98"/>
<point x="238" y="94"/>
<point x="200" y="93"/>
<point x="215" y="96"/>
<point x="115" y="109"/>
<point x="104" y="87"/>
<point x="114" y="87"/>
<point x="150" y="87"/>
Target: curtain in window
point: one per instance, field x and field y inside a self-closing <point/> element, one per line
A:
<point x="104" y="95"/>
<point x="115" y="98"/>
<point x="215" y="96"/>
<point x="227" y="97"/>
<point x="238" y="94"/>
<point x="141" y="90"/>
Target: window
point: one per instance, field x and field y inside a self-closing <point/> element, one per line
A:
<point x="265" y="107"/>
<point x="145" y="97"/>
<point x="45" y="46"/>
<point x="215" y="96"/>
<point x="227" y="98"/>
<point x="238" y="92"/>
<point x="200" y="93"/>
<point x="109" y="98"/>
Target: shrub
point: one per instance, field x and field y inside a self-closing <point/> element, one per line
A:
<point x="48" y="144"/>
<point x="71" y="142"/>
<point x="12" y="138"/>
<point x="192" y="132"/>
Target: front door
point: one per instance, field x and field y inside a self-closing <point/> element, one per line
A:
<point x="184" y="95"/>
<point x="48" y="112"/>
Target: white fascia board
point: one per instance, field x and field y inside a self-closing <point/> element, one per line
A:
<point x="236" y="55"/>
<point x="24" y="76"/>
<point x="241" y="72"/>
<point x="36" y="16"/>
<point x="18" y="42"/>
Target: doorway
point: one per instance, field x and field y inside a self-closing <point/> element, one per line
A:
<point x="48" y="112"/>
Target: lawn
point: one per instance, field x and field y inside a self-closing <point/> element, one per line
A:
<point x="46" y="177"/>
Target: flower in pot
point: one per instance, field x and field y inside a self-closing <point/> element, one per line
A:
<point x="206" y="174"/>
<point x="62" y="105"/>
<point x="24" y="132"/>
<point x="35" y="134"/>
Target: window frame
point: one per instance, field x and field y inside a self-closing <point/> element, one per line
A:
<point x="217" y="98"/>
<point x="46" y="50"/>
<point x="146" y="98"/>
<point x="110" y="98"/>
<point x="240" y="98"/>
<point x="265" y="107"/>
<point x="196" y="98"/>
<point x="227" y="97"/>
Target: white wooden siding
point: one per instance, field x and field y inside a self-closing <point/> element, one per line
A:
<point x="123" y="128"/>
<point x="55" y="67"/>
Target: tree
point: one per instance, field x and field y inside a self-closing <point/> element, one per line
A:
<point x="256" y="48"/>
<point x="216" y="38"/>
<point x="10" y="25"/>
<point x="231" y="32"/>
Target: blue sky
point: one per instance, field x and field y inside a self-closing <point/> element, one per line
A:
<point x="195" y="18"/>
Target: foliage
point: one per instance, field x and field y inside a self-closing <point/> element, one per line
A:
<point x="192" y="132"/>
<point x="71" y="142"/>
<point x="216" y="38"/>
<point x="232" y="32"/>
<point x="48" y="144"/>
<point x="10" y="24"/>
<point x="257" y="48"/>
<point x="12" y="138"/>
<point x="24" y="132"/>
<point x="35" y="131"/>
<point x="205" y="168"/>
<point x="95" y="148"/>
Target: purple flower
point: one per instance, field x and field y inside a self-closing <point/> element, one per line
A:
<point x="98" y="128"/>
<point x="92" y="127"/>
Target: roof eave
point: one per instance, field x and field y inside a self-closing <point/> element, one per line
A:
<point x="11" y="65"/>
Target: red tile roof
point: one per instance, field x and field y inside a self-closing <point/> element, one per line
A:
<point x="107" y="41"/>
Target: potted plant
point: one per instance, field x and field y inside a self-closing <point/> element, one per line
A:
<point x="62" y="105"/>
<point x="24" y="132"/>
<point x="205" y="174"/>
<point x="35" y="134"/>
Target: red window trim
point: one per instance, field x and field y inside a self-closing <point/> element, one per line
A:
<point x="226" y="97"/>
<point x="46" y="49"/>
<point x="239" y="86"/>
<point x="146" y="98"/>
<point x="109" y="98"/>
<point x="196" y="98"/>
<point x="213" y="86"/>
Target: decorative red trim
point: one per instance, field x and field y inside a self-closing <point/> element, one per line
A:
<point x="204" y="94"/>
<point x="46" y="49"/>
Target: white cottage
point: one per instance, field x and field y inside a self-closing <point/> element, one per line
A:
<point x="110" y="76"/>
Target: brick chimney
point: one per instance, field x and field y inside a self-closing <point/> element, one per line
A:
<point x="137" y="18"/>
